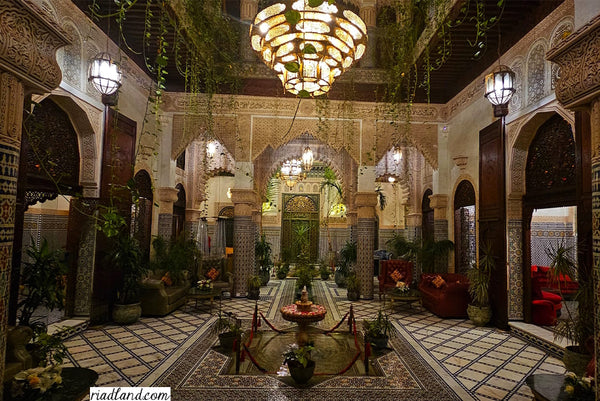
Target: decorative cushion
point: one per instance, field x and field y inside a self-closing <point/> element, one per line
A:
<point x="213" y="274"/>
<point x="438" y="282"/>
<point x="167" y="279"/>
<point x="396" y="275"/>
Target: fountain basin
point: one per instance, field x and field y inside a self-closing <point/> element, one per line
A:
<point x="292" y="313"/>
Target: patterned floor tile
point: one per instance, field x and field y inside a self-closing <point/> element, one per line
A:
<point x="481" y="363"/>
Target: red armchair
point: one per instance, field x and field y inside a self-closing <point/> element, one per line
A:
<point x="387" y="267"/>
<point x="448" y="301"/>
<point x="546" y="306"/>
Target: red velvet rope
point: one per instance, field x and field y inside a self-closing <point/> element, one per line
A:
<point x="337" y="325"/>
<point x="254" y="361"/>
<point x="270" y="325"/>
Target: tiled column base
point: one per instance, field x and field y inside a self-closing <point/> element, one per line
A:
<point x="165" y="225"/>
<point x="364" y="258"/>
<point x="243" y="245"/>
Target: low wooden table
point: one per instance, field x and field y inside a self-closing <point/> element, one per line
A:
<point x="547" y="387"/>
<point x="409" y="297"/>
<point x="198" y="295"/>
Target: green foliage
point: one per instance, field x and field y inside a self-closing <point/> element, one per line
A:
<point x="324" y="270"/>
<point x="111" y="222"/>
<point x="479" y="276"/>
<point x="428" y="254"/>
<point x="262" y="254"/>
<point x="175" y="256"/>
<point x="228" y="322"/>
<point x="577" y="327"/>
<point x="254" y="282"/>
<point x="42" y="278"/>
<point x="379" y="327"/>
<point x="126" y="256"/>
<point x="352" y="283"/>
<point x="282" y="270"/>
<point x="297" y="354"/>
<point x="305" y="274"/>
<point x="48" y="349"/>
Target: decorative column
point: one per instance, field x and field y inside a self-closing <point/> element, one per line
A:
<point x="368" y="13"/>
<point x="439" y="203"/>
<point x="365" y="229"/>
<point x="244" y="230"/>
<point x="166" y="197"/>
<point x="413" y="226"/>
<point x="248" y="10"/>
<point x="579" y="88"/>
<point x="27" y="64"/>
<point x="192" y="217"/>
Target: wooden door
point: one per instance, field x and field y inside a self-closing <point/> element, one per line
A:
<point x="492" y="214"/>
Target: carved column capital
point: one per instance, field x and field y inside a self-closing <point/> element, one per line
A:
<point x="166" y="197"/>
<point x="244" y="201"/>
<point x="439" y="203"/>
<point x="579" y="60"/>
<point x="193" y="214"/>
<point x="414" y="219"/>
<point x="29" y="42"/>
<point x="365" y="204"/>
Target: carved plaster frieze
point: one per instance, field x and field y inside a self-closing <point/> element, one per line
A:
<point x="579" y="59"/>
<point x="423" y="137"/>
<point x="545" y="29"/>
<point x="178" y="102"/>
<point x="28" y="43"/>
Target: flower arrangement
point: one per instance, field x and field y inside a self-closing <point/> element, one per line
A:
<point x="402" y="287"/>
<point x="204" y="285"/>
<point x="579" y="388"/>
<point x="31" y="383"/>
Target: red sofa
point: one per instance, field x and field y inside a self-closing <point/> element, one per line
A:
<point x="449" y="301"/>
<point x="541" y="273"/>
<point x="387" y="267"/>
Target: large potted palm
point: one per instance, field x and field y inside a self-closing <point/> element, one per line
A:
<point x="428" y="255"/>
<point x="479" y="310"/>
<point x="126" y="257"/>
<point x="576" y="328"/>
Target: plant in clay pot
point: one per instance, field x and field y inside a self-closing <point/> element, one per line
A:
<point x="352" y="287"/>
<point x="126" y="256"/>
<point x="229" y="328"/>
<point x="299" y="362"/>
<point x="376" y="331"/>
<point x="254" y="283"/>
<point x="576" y="327"/>
<point x="479" y="309"/>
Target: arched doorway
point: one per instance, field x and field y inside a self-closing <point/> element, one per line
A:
<point x="179" y="211"/>
<point x="300" y="226"/>
<point x="49" y="167"/>
<point x="427" y="217"/>
<point x="551" y="187"/>
<point x="465" y="235"/>
<point x="141" y="221"/>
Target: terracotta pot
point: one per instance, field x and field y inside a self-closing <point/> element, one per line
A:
<point x="126" y="313"/>
<point x="480" y="316"/>
<point x="253" y="293"/>
<point x="353" y="295"/>
<point x="226" y="340"/>
<point x="299" y="373"/>
<point x="575" y="360"/>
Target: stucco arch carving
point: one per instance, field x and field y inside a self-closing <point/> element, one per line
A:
<point x="70" y="56"/>
<point x="344" y="166"/>
<point x="537" y="71"/>
<point x="87" y="122"/>
<point x="522" y="134"/>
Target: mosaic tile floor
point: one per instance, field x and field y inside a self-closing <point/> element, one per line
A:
<point x="476" y="363"/>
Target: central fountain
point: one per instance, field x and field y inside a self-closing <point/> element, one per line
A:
<point x="303" y="312"/>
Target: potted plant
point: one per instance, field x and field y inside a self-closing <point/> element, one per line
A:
<point x="376" y="331"/>
<point x="177" y="257"/>
<point x="42" y="280"/>
<point x="282" y="271"/>
<point x="262" y="252"/>
<point x="254" y="284"/>
<point x="479" y="310"/>
<point x="126" y="257"/>
<point x="324" y="271"/>
<point x="304" y="272"/>
<point x="352" y="287"/>
<point x="299" y="362"/>
<point x="576" y="328"/>
<point x="229" y="328"/>
<point x="347" y="259"/>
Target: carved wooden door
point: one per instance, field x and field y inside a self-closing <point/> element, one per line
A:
<point x="300" y="226"/>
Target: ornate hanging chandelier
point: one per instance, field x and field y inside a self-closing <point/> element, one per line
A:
<point x="307" y="158"/>
<point x="308" y="46"/>
<point x="291" y="172"/>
